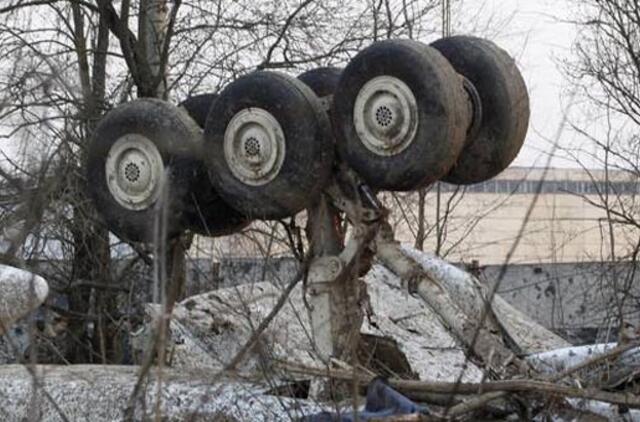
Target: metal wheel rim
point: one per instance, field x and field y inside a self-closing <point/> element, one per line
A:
<point x="385" y="115"/>
<point x="134" y="169"/>
<point x="254" y="146"/>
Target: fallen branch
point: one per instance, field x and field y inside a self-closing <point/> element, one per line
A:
<point x="482" y="400"/>
<point x="413" y="389"/>
<point x="596" y="360"/>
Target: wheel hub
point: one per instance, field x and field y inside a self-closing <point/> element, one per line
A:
<point x="474" y="108"/>
<point x="254" y="146"/>
<point x="385" y="115"/>
<point x="134" y="169"/>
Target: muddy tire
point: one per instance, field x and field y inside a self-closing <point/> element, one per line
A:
<point x="399" y="114"/>
<point x="268" y="145"/>
<point x="133" y="147"/>
<point x="504" y="103"/>
<point x="323" y="81"/>
<point x="198" y="107"/>
<point x="208" y="214"/>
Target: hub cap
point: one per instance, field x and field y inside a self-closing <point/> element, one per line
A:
<point x="134" y="169"/>
<point x="385" y="115"/>
<point x="254" y="146"/>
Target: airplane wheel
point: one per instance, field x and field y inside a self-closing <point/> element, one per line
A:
<point x="502" y="123"/>
<point x="268" y="145"/>
<point x="322" y="80"/>
<point x="208" y="214"/>
<point x="399" y="115"/>
<point x="133" y="148"/>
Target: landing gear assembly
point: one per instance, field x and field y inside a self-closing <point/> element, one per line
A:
<point x="401" y="115"/>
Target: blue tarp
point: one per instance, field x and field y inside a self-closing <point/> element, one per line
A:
<point x="382" y="401"/>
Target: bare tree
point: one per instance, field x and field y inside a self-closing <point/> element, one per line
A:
<point x="606" y="71"/>
<point x="66" y="62"/>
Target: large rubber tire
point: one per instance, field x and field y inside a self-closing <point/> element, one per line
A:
<point x="504" y="104"/>
<point x="438" y="117"/>
<point x="158" y="128"/>
<point x="208" y="214"/>
<point x="323" y="81"/>
<point x="198" y="107"/>
<point x="303" y="149"/>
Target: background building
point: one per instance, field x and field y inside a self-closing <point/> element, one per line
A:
<point x="566" y="222"/>
<point x="482" y="222"/>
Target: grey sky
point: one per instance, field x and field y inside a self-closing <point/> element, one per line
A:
<point x="534" y="32"/>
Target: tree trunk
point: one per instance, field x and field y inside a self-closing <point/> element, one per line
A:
<point x="92" y="256"/>
<point x="152" y="36"/>
<point x="153" y="27"/>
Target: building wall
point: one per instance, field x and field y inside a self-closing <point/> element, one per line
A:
<point x="483" y="221"/>
<point x="485" y="227"/>
<point x="582" y="301"/>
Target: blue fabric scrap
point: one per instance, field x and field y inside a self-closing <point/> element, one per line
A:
<point x="382" y="401"/>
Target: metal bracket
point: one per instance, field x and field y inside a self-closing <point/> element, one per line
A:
<point x="323" y="271"/>
<point x="333" y="267"/>
<point x="326" y="102"/>
<point x="355" y="198"/>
